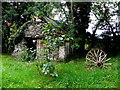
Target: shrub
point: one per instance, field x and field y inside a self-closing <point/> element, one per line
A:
<point x="27" y="55"/>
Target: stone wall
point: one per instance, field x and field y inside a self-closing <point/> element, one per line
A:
<point x="18" y="48"/>
<point x="60" y="52"/>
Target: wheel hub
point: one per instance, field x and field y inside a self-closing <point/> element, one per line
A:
<point x="99" y="64"/>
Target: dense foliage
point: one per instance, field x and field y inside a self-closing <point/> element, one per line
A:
<point x="74" y="19"/>
<point x="13" y="15"/>
<point x="27" y="55"/>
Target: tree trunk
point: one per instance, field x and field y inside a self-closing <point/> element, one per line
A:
<point x="81" y="19"/>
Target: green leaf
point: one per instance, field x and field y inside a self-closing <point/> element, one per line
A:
<point x="45" y="47"/>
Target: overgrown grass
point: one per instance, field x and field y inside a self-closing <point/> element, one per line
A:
<point x="16" y="74"/>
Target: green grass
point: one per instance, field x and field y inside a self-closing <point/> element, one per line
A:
<point x="16" y="74"/>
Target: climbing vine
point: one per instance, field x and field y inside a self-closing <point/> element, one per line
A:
<point x="15" y="34"/>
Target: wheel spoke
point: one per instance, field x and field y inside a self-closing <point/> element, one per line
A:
<point x="104" y="57"/>
<point x="89" y="55"/>
<point x="97" y="52"/>
<point x="90" y="60"/>
<point x="107" y="64"/>
<point x="100" y="54"/>
<point x="107" y="60"/>
<point x="92" y="64"/>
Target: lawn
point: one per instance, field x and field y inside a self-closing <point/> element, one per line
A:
<point x="17" y="74"/>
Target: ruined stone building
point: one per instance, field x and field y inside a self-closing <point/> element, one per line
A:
<point x="31" y="39"/>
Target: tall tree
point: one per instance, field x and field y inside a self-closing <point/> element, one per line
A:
<point x="105" y="13"/>
<point x="80" y="14"/>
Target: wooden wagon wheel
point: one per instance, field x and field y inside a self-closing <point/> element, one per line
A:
<point x="97" y="57"/>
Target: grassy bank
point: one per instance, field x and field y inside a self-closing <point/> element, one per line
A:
<point x="17" y="74"/>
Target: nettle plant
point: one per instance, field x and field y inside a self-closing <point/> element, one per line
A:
<point x="53" y="39"/>
<point x="47" y="68"/>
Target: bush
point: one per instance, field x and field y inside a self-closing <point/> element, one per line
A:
<point x="27" y="55"/>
